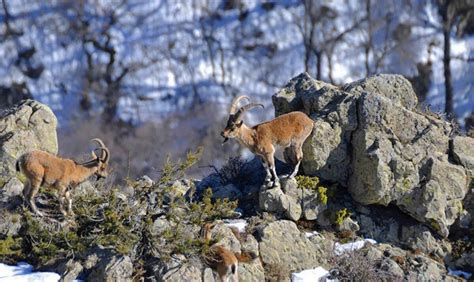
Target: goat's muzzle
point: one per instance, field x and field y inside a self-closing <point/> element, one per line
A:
<point x="225" y="138"/>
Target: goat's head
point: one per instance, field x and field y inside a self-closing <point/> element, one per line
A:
<point x="103" y="158"/>
<point x="234" y="123"/>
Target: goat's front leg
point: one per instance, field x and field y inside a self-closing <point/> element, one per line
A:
<point x="69" y="203"/>
<point x="268" y="176"/>
<point x="62" y="199"/>
<point x="270" y="160"/>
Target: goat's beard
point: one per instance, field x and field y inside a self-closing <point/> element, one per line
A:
<point x="225" y="140"/>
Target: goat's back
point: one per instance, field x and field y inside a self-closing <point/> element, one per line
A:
<point x="285" y="129"/>
<point x="39" y="164"/>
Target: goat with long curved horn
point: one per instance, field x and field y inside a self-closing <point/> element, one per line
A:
<point x="235" y="102"/>
<point x="288" y="131"/>
<point x="41" y="167"/>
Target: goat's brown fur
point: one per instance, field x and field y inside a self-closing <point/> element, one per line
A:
<point x="222" y="260"/>
<point x="288" y="131"/>
<point x="43" y="168"/>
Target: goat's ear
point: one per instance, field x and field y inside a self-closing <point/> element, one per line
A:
<point x="94" y="156"/>
<point x="240" y="123"/>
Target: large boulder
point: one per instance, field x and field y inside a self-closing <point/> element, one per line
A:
<point x="30" y="125"/>
<point x="369" y="137"/>
<point x="281" y="243"/>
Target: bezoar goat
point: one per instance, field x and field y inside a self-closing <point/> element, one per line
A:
<point x="222" y="260"/>
<point x="43" y="168"/>
<point x="287" y="131"/>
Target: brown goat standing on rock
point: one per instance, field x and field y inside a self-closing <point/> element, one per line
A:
<point x="43" y="168"/>
<point x="287" y="131"/>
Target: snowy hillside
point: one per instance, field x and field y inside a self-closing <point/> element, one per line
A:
<point x="177" y="53"/>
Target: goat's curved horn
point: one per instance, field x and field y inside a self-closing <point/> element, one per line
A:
<point x="233" y="106"/>
<point x="104" y="151"/>
<point x="99" y="142"/>
<point x="106" y="155"/>
<point x="245" y="108"/>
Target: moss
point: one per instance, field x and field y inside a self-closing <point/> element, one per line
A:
<point x="11" y="248"/>
<point x="340" y="216"/>
<point x="435" y="225"/>
<point x="458" y="206"/>
<point x="307" y="182"/>
<point x="323" y="197"/>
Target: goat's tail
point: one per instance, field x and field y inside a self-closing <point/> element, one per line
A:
<point x="233" y="268"/>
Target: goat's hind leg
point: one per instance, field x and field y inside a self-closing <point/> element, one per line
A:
<point x="35" y="185"/>
<point x="26" y="192"/>
<point x="299" y="157"/>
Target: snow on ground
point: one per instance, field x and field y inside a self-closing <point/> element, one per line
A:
<point x="311" y="234"/>
<point x="23" y="272"/>
<point x="459" y="273"/>
<point x="339" y="249"/>
<point x="239" y="224"/>
<point x="313" y="275"/>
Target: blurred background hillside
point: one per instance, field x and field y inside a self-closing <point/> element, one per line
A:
<point x="155" y="78"/>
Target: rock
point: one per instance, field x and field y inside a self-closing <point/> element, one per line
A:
<point x="326" y="153"/>
<point x="291" y="201"/>
<point x="10" y="223"/>
<point x="273" y="200"/>
<point x="30" y="125"/>
<point x="69" y="270"/>
<point x="112" y="268"/>
<point x="230" y="191"/>
<point x="463" y="152"/>
<point x="348" y="224"/>
<point x="425" y="269"/>
<point x="394" y="154"/>
<point x="418" y="237"/>
<point x="281" y="243"/>
<point x="288" y="99"/>
<point x="394" y="87"/>
<point x="208" y="275"/>
<point x="227" y="238"/>
<point x="178" y="268"/>
<point x="12" y="188"/>
<point x="369" y="137"/>
<point x="251" y="272"/>
<point x="144" y="182"/>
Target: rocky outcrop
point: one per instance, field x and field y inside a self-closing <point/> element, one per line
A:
<point x="281" y="243"/>
<point x="30" y="125"/>
<point x="369" y="137"/>
<point x="291" y="201"/>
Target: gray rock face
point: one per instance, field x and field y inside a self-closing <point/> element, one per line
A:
<point x="281" y="243"/>
<point x="114" y="268"/>
<point x="369" y="137"/>
<point x="394" y="87"/>
<point x="30" y="125"/>
<point x="463" y="152"/>
<point x="291" y="201"/>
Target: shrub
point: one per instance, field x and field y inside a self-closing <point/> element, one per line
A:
<point x="311" y="183"/>
<point x="341" y="215"/>
<point x="230" y="172"/>
<point x="357" y="266"/>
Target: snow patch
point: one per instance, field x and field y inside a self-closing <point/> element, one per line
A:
<point x="311" y="234"/>
<point x="339" y="249"/>
<point x="239" y="224"/>
<point x="459" y="273"/>
<point x="23" y="272"/>
<point x="312" y="275"/>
